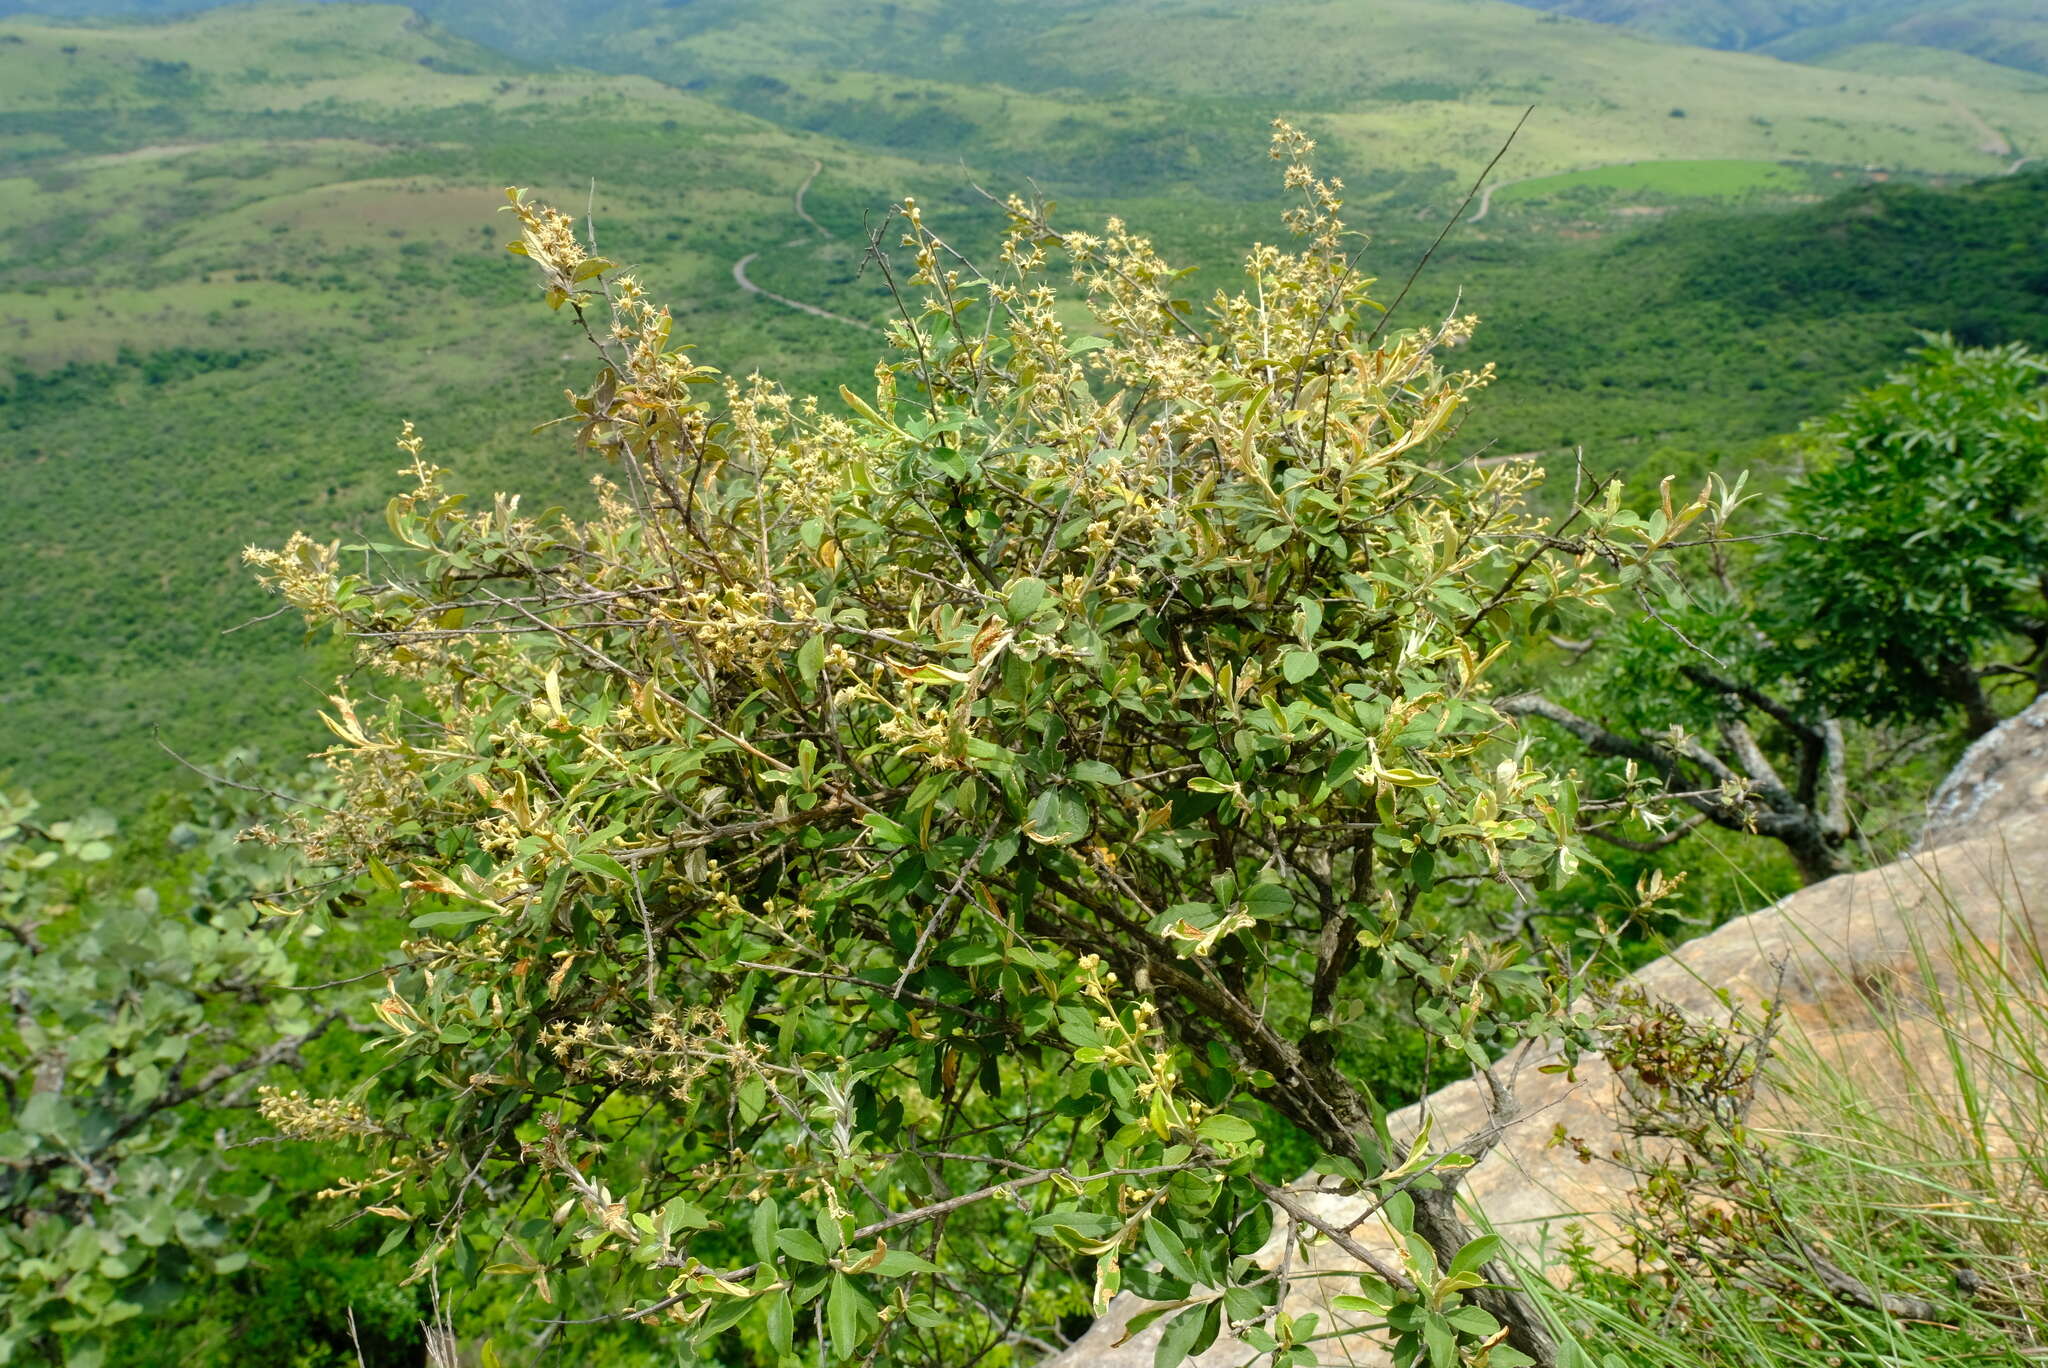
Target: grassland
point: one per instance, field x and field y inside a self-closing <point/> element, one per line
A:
<point x="1902" y="59"/>
<point x="1681" y="180"/>
<point x="1164" y="87"/>
<point x="218" y="299"/>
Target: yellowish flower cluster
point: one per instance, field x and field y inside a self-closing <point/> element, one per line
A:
<point x="1316" y="217"/>
<point x="314" y="1118"/>
<point x="304" y="571"/>
<point x="741" y="628"/>
<point x="676" y="1053"/>
<point x="547" y="237"/>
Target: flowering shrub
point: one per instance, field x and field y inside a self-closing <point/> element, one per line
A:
<point x="875" y="879"/>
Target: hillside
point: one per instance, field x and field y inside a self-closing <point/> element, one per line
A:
<point x="1399" y="88"/>
<point x="1398" y="83"/>
<point x="2012" y="33"/>
<point x="243" y="245"/>
<point x="1707" y="331"/>
<point x="241" y="248"/>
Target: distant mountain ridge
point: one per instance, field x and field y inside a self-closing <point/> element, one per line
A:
<point x="2009" y="32"/>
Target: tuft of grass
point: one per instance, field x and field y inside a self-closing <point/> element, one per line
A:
<point x="1886" y="1205"/>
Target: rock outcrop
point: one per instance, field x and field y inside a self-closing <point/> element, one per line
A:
<point x="2002" y="776"/>
<point x="1834" y="955"/>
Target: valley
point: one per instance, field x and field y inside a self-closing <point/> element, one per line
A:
<point x="239" y="254"/>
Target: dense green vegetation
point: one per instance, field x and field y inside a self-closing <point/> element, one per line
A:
<point x="244" y="245"/>
<point x="1707" y="331"/>
<point x="213" y="308"/>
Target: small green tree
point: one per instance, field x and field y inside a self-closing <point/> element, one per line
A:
<point x="1921" y="554"/>
<point x="877" y="877"/>
<point x="1898" y="582"/>
<point x="1704" y="730"/>
<point x="133" y="1017"/>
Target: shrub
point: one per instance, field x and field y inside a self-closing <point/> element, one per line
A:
<point x="136" y="1015"/>
<point x="875" y="879"/>
<point x="1922" y="551"/>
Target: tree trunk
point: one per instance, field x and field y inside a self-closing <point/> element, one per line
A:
<point x="1966" y="688"/>
<point x="1817" y="857"/>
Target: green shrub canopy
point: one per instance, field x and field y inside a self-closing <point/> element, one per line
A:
<point x="880" y="875"/>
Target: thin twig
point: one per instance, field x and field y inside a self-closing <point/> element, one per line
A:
<point x="1386" y="317"/>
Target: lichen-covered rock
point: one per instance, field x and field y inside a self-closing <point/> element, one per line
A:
<point x="2004" y="774"/>
<point x="1834" y="956"/>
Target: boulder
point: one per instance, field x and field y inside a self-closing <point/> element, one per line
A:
<point x="2002" y="775"/>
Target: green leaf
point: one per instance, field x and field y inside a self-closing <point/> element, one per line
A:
<point x="464" y="917"/>
<point x="1171" y="1251"/>
<point x="1298" y="665"/>
<point x="682" y="1214"/>
<point x="844" y="1306"/>
<point x="867" y="411"/>
<point x="779" y="1320"/>
<point x="1442" y="1342"/>
<point x="801" y="1244"/>
<point x="724" y="1315"/>
<point x="1473" y="1321"/>
<point x="752" y="1097"/>
<point x="1024" y="598"/>
<point x="1227" y="1130"/>
<point x="810" y="659"/>
<point x="1094" y="772"/>
<point x="1268" y="901"/>
<point x="888" y="829"/>
<point x="762" y="1229"/>
<point x="1187" y="1334"/>
<point x="1472" y="1256"/>
<point x="599" y="863"/>
<point x="1310" y="611"/>
<point x="1144" y="1319"/>
<point x="1058" y="817"/>
<point x="898" y="1262"/>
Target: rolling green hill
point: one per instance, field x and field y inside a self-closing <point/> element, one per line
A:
<point x="1106" y="95"/>
<point x="243" y="245"/>
<point x="240" y="249"/>
<point x="1401" y="83"/>
<point x="1706" y="331"/>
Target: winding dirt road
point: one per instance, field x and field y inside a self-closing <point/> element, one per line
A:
<point x="739" y="268"/>
<point x="798" y="204"/>
<point x="1486" y="195"/>
<point x="739" y="278"/>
